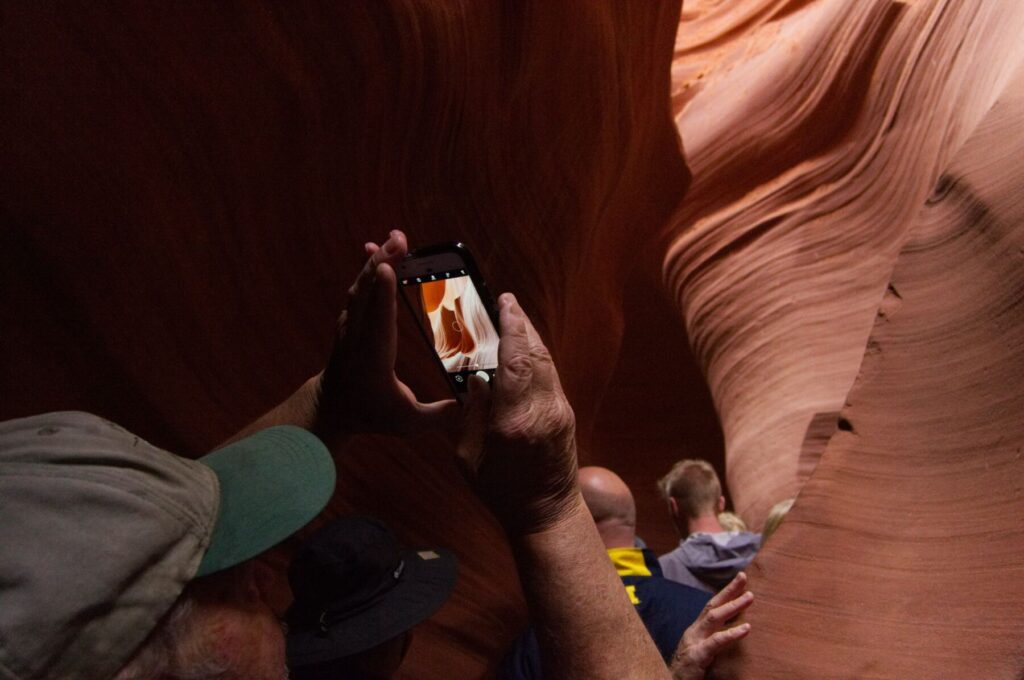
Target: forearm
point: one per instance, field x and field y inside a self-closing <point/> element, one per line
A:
<point x="585" y="624"/>
<point x="299" y="409"/>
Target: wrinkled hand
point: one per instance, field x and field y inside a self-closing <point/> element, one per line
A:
<point x="359" y="392"/>
<point x="705" y="638"/>
<point x="519" y="443"/>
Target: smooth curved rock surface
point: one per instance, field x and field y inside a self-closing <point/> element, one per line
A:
<point x="813" y="136"/>
<point x="902" y="555"/>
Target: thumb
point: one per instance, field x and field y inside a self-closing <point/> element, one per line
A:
<point x="474" y="424"/>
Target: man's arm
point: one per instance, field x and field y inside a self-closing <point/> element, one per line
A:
<point x="584" y="621"/>
<point x="298" y="409"/>
<point x="526" y="473"/>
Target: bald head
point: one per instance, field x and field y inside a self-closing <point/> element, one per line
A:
<point x="611" y="505"/>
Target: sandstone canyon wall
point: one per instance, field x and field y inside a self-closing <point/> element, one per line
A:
<point x="185" y="192"/>
<point x="854" y="220"/>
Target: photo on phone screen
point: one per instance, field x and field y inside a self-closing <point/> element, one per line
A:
<point x="456" y="321"/>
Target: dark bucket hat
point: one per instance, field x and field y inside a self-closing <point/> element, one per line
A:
<point x="356" y="588"/>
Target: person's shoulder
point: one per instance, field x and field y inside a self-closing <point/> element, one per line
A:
<point x="738" y="540"/>
<point x="675" y="567"/>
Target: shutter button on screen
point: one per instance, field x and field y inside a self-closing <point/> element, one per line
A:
<point x="484" y="375"/>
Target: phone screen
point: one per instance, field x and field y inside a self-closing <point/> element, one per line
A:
<point x="456" y="321"/>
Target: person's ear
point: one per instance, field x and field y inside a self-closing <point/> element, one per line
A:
<point x="721" y="504"/>
<point x="673" y="506"/>
<point x="237" y="584"/>
<point x="272" y="585"/>
<point x="246" y="586"/>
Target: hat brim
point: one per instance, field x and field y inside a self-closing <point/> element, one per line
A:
<point x="272" y="483"/>
<point x="428" y="579"/>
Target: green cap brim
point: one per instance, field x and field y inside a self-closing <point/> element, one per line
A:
<point x="271" y="485"/>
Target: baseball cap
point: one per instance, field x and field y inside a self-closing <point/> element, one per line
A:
<point x="101" y="531"/>
<point x="355" y="587"/>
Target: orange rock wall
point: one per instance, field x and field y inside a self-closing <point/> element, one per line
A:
<point x="814" y="137"/>
<point x="902" y="555"/>
<point x="853" y="222"/>
<point x="186" y="190"/>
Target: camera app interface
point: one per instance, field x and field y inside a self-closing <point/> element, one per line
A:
<point x="456" y="321"/>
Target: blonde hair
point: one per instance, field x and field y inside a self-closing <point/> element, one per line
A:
<point x="730" y="521"/>
<point x="695" y="486"/>
<point x="775" y="517"/>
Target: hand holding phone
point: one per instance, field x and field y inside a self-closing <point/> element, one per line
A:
<point x="518" y="440"/>
<point x="358" y="391"/>
<point x="442" y="286"/>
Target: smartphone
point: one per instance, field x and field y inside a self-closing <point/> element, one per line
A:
<point x="442" y="286"/>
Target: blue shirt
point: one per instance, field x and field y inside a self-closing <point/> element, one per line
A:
<point x="666" y="608"/>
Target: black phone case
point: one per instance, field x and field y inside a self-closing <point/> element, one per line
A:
<point x="483" y="291"/>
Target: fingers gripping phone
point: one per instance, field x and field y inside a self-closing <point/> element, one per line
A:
<point x="442" y="286"/>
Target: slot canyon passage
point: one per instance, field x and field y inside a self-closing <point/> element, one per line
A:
<point x="785" y="235"/>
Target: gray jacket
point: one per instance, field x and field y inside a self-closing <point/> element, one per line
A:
<point x="709" y="561"/>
